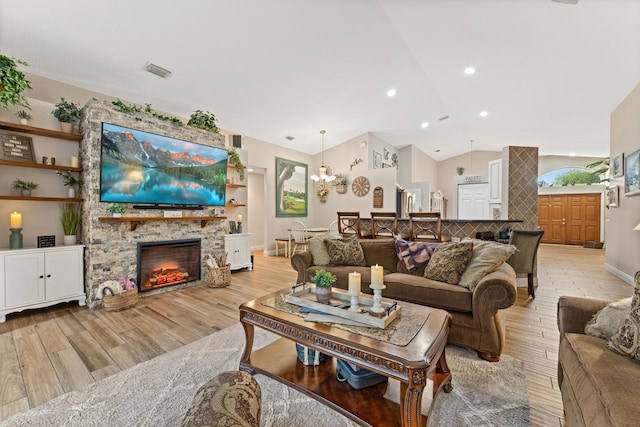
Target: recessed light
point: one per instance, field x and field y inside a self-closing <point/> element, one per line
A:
<point x="391" y="92"/>
<point x="424" y="125"/>
<point x="469" y="71"/>
<point x="483" y="114"/>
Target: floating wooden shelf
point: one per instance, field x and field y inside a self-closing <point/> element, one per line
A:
<point x="42" y="199"/>
<point x="235" y="205"/>
<point x="38" y="165"/>
<point x="40" y="131"/>
<point x="236" y="186"/>
<point x="135" y="220"/>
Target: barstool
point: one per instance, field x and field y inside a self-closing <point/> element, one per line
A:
<point x="384" y="224"/>
<point x="425" y="226"/>
<point x="349" y="223"/>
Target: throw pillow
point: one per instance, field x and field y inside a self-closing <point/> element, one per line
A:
<point x="414" y="254"/>
<point x="487" y="257"/>
<point x="448" y="262"/>
<point x="345" y="251"/>
<point x="606" y="322"/>
<point x="627" y="340"/>
<point x="319" y="251"/>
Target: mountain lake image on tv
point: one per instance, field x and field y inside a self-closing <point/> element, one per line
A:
<point x="142" y="167"/>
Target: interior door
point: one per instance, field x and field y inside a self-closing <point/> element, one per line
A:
<point x="569" y="219"/>
<point x="551" y="218"/>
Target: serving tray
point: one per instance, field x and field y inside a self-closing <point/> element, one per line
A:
<point x="303" y="295"/>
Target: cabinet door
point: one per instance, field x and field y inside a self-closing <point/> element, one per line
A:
<point x="230" y="246"/>
<point x="24" y="279"/>
<point x="63" y="274"/>
<point x="243" y="249"/>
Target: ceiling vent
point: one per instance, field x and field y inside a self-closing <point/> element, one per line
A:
<point x="443" y="118"/>
<point x="158" y="71"/>
<point x="566" y="1"/>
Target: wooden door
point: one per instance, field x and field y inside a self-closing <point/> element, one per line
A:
<point x="569" y="219"/>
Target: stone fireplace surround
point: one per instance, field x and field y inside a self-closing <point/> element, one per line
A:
<point x="111" y="247"/>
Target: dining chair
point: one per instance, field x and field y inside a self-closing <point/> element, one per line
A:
<point x="425" y="226"/>
<point x="523" y="260"/>
<point x="333" y="230"/>
<point x="349" y="223"/>
<point x="300" y="236"/>
<point x="384" y="224"/>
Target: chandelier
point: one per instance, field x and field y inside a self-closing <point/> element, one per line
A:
<point x="325" y="172"/>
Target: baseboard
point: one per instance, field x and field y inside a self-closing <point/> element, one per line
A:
<point x="619" y="274"/>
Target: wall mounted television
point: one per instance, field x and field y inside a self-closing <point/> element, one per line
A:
<point x="158" y="171"/>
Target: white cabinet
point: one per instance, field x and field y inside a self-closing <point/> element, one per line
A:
<point x="32" y="278"/>
<point x="495" y="181"/>
<point x="238" y="247"/>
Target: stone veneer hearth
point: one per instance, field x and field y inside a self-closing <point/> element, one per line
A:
<point x="111" y="247"/>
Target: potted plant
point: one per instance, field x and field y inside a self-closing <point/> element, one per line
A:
<point x="116" y="210"/>
<point x="203" y="120"/>
<point x="322" y="192"/>
<point x="24" y="117"/>
<point x="66" y="112"/>
<point x="12" y="83"/>
<point x="460" y="170"/>
<point x="25" y="187"/>
<point x="235" y="159"/>
<point x="340" y="183"/>
<point x="70" y="219"/>
<point x="323" y="280"/>
<point x="71" y="181"/>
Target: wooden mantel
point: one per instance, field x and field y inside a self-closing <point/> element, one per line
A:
<point x="135" y="220"/>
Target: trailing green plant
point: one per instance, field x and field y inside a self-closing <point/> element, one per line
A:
<point x="235" y="159"/>
<point x="602" y="168"/>
<point x="24" y="115"/>
<point x="71" y="180"/>
<point x="24" y="185"/>
<point x="118" y="208"/>
<point x="124" y="108"/>
<point x="172" y="119"/>
<point x="323" y="278"/>
<point x="70" y="218"/>
<point x="12" y="83"/>
<point x="203" y="120"/>
<point x="131" y="108"/>
<point x="66" y="111"/>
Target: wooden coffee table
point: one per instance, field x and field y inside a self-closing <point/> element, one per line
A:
<point x="412" y="364"/>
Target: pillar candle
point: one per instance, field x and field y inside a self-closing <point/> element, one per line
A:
<point x="354" y="283"/>
<point x="239" y="217"/>
<point x="16" y="220"/>
<point x="376" y="277"/>
<point x="74" y="162"/>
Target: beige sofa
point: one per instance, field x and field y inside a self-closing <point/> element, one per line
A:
<point x="599" y="387"/>
<point x="477" y="320"/>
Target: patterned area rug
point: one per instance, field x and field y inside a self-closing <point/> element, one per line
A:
<point x="159" y="391"/>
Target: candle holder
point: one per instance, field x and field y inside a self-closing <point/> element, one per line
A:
<point x="239" y="228"/>
<point x="377" y="309"/>
<point x="354" y="307"/>
<point x="15" y="239"/>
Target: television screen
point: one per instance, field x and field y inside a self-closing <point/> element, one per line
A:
<point x="142" y="167"/>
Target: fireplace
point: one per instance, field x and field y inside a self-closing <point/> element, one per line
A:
<point x="167" y="263"/>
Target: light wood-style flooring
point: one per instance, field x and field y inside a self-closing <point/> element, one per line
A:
<point x="47" y="352"/>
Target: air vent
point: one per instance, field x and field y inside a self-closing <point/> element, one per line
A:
<point x="158" y="71"/>
<point x="289" y="138"/>
<point x="566" y="1"/>
<point x="443" y="118"/>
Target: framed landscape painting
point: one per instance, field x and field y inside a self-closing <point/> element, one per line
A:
<point x="291" y="188"/>
<point x="632" y="174"/>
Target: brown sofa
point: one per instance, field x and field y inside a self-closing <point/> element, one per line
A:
<point x="598" y="386"/>
<point x="477" y="321"/>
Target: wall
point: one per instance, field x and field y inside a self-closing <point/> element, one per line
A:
<point x="256" y="218"/>
<point x="623" y="244"/>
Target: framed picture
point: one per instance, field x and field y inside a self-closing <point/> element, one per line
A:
<point x="617" y="165"/>
<point x="613" y="193"/>
<point x="233" y="229"/>
<point x="632" y="174"/>
<point x="292" y="180"/>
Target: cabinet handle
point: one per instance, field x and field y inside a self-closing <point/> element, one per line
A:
<point x="48" y="275"/>
<point x="41" y="277"/>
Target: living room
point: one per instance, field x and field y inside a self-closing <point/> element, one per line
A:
<point x="439" y="172"/>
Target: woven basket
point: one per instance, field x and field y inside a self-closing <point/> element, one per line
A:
<point x="593" y="245"/>
<point x="121" y="301"/>
<point x="218" y="277"/>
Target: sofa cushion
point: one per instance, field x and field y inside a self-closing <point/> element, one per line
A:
<point x="318" y="251"/>
<point x="603" y="385"/>
<point x="627" y="340"/>
<point x="606" y="322"/>
<point x="381" y="252"/>
<point x="448" y="262"/>
<point x="419" y="290"/>
<point x="346" y="251"/>
<point x="414" y="254"/>
<point x="487" y="257"/>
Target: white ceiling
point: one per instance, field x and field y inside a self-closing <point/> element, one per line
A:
<point x="549" y="74"/>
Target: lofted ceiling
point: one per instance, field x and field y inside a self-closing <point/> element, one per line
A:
<point x="548" y="74"/>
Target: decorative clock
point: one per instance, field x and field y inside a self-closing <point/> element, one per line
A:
<point x="360" y="186"/>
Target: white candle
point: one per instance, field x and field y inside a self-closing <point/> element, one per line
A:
<point x="376" y="277"/>
<point x="74" y="162"/>
<point x="354" y="283"/>
<point x="16" y="220"/>
<point x="239" y="217"/>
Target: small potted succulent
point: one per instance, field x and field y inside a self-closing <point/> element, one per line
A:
<point x="25" y="187"/>
<point x="24" y="117"/>
<point x="323" y="280"/>
<point x="66" y="112"/>
<point x="116" y="210"/>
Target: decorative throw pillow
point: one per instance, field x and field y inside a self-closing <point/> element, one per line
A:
<point x="606" y="322"/>
<point x="627" y="340"/>
<point x="448" y="262"/>
<point x="345" y="251"/>
<point x="487" y="257"/>
<point x="319" y="251"/>
<point x="414" y="254"/>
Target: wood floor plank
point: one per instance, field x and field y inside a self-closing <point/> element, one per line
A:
<point x="125" y="356"/>
<point x="11" y="384"/>
<point x="52" y="337"/>
<point x="92" y="354"/>
<point x="40" y="379"/>
<point x="72" y="373"/>
<point x="103" y="333"/>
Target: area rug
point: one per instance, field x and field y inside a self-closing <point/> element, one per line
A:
<point x="159" y="391"/>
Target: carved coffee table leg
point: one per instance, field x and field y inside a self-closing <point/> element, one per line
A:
<point x="443" y="368"/>
<point x="411" y="399"/>
<point x="248" y="348"/>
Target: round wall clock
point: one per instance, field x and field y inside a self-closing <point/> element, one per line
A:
<point x="360" y="186"/>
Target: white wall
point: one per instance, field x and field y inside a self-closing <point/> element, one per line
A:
<point x="256" y="194"/>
